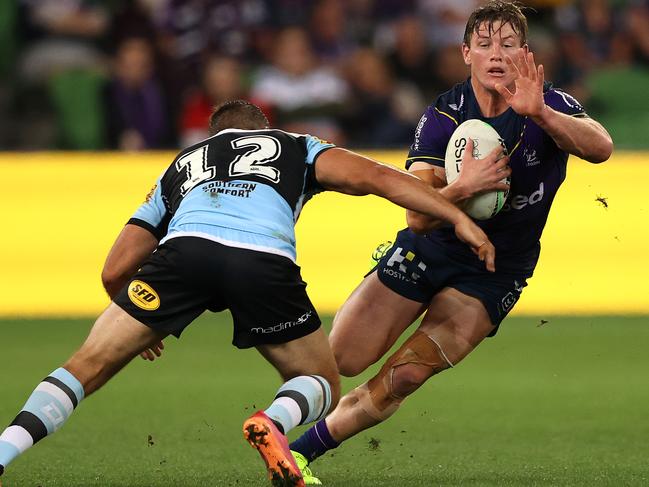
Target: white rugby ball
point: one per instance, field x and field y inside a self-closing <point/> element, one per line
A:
<point x="485" y="139"/>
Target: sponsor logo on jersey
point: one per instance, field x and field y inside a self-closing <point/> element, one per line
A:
<point x="143" y="296"/>
<point x="400" y="260"/>
<point x="455" y="107"/>
<point x="322" y="141"/>
<point x="531" y="158"/>
<point x="150" y="194"/>
<point x="519" y="201"/>
<point x="420" y="126"/>
<point x="241" y="190"/>
<point x="283" y="326"/>
<point x="508" y="301"/>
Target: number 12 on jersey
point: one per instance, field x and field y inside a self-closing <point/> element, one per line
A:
<point x="263" y="149"/>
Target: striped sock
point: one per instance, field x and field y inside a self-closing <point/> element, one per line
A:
<point x="315" y="441"/>
<point x="299" y="401"/>
<point x="45" y="411"/>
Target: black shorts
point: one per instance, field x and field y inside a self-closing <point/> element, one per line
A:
<point x="187" y="275"/>
<point x="418" y="268"/>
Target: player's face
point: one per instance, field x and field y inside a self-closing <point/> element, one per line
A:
<point x="487" y="52"/>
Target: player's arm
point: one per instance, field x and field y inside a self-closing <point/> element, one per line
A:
<point x="476" y="176"/>
<point x="137" y="240"/>
<point x="580" y="136"/>
<point x="350" y="173"/>
<point x="133" y="245"/>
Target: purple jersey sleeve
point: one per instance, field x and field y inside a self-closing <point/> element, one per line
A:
<point x="431" y="137"/>
<point x="564" y="103"/>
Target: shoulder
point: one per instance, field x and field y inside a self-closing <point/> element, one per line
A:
<point x="451" y="104"/>
<point x="436" y="126"/>
<point x="562" y="101"/>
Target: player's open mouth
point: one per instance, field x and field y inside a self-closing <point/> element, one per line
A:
<point x="497" y="72"/>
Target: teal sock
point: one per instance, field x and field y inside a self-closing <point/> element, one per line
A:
<point x="49" y="406"/>
<point x="301" y="400"/>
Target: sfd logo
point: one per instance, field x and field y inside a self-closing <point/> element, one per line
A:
<point x="143" y="296"/>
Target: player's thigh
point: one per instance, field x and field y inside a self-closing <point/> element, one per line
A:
<point x="115" y="338"/>
<point x="457" y="322"/>
<point x="369" y="323"/>
<point x="307" y="355"/>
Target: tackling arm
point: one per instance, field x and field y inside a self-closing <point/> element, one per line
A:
<point x="350" y="173"/>
<point x="133" y="245"/>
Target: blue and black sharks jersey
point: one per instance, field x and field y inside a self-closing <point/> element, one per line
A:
<point x="538" y="169"/>
<point x="242" y="188"/>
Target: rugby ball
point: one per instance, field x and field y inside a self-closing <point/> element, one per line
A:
<point x="485" y="139"/>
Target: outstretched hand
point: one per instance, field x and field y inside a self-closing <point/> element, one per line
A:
<point x="527" y="98"/>
<point x="472" y="235"/>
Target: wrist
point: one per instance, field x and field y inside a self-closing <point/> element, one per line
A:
<point x="543" y="118"/>
<point x="461" y="218"/>
<point x="456" y="192"/>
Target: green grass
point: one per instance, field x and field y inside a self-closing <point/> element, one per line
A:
<point x="565" y="404"/>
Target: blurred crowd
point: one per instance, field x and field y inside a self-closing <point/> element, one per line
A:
<point x="145" y="74"/>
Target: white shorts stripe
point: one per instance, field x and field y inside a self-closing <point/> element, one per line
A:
<point x="58" y="394"/>
<point x="292" y="407"/>
<point x="18" y="437"/>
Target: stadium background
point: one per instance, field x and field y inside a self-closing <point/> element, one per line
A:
<point x="96" y="97"/>
<point x="129" y="77"/>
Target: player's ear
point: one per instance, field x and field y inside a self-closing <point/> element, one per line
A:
<point x="466" y="54"/>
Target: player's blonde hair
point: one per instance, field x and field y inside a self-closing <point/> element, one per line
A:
<point x="497" y="11"/>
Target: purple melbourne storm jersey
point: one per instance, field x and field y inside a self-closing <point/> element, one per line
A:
<point x="538" y="169"/>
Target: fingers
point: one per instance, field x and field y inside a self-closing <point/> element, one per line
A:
<point x="504" y="92"/>
<point x="531" y="66"/>
<point x="523" y="63"/>
<point x="500" y="163"/>
<point x="496" y="154"/>
<point x="468" y="152"/>
<point x="152" y="352"/>
<point x="514" y="66"/>
<point x="541" y="75"/>
<point x="487" y="254"/>
<point x="147" y="355"/>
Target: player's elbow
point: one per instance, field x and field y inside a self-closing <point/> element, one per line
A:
<point x="601" y="151"/>
<point x="112" y="281"/>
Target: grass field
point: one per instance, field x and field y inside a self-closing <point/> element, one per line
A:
<point x="565" y="403"/>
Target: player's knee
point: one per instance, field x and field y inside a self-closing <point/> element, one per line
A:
<point x="350" y="364"/>
<point x="407" y="378"/>
<point x="350" y="368"/>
